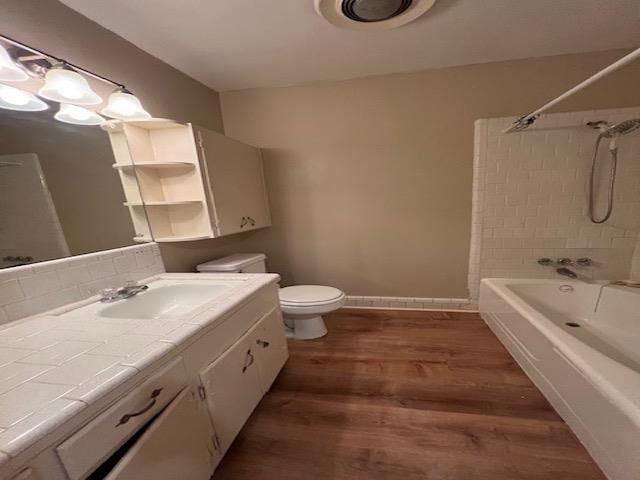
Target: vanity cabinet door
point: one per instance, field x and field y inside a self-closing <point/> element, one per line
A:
<point x="178" y="444"/>
<point x="232" y="389"/>
<point x="270" y="348"/>
<point x="236" y="179"/>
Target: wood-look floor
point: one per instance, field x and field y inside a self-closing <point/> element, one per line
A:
<point x="407" y="396"/>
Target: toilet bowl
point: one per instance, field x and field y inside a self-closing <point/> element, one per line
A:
<point x="302" y="305"/>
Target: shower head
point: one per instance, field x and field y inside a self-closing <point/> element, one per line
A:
<point x="622" y="128"/>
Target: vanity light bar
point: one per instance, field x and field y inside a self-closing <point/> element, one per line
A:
<point x="65" y="84"/>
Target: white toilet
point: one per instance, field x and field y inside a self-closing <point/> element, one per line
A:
<point x="302" y="305"/>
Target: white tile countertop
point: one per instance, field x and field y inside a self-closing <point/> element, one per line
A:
<point x="56" y="364"/>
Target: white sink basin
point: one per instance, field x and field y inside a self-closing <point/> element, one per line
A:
<point x="164" y="300"/>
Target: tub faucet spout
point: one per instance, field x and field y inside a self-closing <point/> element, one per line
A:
<point x="566" y="272"/>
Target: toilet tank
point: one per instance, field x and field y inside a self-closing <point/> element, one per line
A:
<point x="236" y="263"/>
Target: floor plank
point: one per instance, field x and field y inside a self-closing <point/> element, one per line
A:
<point x="400" y="395"/>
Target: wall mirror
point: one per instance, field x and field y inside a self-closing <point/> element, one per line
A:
<point x="59" y="194"/>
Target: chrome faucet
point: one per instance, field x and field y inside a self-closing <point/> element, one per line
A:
<point x="130" y="289"/>
<point x="566" y="272"/>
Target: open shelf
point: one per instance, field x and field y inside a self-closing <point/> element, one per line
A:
<point x="160" y="203"/>
<point x="170" y="164"/>
<point x="182" y="238"/>
<point x="160" y="157"/>
<point x="142" y="239"/>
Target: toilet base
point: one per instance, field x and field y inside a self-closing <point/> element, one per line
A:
<point x="305" y="327"/>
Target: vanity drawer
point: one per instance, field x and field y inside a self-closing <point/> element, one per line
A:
<point x="224" y="335"/>
<point x="84" y="451"/>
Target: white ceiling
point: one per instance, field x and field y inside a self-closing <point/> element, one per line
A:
<point x="236" y="44"/>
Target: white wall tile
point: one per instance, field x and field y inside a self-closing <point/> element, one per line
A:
<point x="33" y="289"/>
<point x="549" y="169"/>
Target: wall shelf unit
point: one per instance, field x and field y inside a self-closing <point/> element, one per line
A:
<point x="191" y="183"/>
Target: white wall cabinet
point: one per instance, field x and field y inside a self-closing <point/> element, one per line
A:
<point x="236" y="178"/>
<point x="189" y="182"/>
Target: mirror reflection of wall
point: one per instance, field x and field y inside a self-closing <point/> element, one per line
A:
<point x="59" y="194"/>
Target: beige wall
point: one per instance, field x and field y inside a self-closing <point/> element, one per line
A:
<point x="370" y="179"/>
<point x="165" y="92"/>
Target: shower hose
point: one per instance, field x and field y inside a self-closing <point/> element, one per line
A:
<point x="613" y="150"/>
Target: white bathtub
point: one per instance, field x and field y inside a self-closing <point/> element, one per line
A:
<point x="591" y="372"/>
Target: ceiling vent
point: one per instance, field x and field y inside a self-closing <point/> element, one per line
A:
<point x="372" y="14"/>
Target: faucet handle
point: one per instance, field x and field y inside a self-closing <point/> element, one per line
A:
<point x="584" y="262"/>
<point x="545" y="261"/>
<point x="108" y="294"/>
<point x="564" y="261"/>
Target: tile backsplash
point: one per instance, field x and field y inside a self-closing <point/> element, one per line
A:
<point x="31" y="289"/>
<point x="530" y="195"/>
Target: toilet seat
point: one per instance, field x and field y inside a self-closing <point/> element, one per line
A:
<point x="310" y="296"/>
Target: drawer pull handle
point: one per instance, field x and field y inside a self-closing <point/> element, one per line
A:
<point x="263" y="343"/>
<point x="154" y="397"/>
<point x="249" y="362"/>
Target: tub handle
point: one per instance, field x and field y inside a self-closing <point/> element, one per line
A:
<point x="566" y="288"/>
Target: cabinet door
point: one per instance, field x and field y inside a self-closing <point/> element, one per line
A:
<point x="235" y="175"/>
<point x="178" y="444"/>
<point x="270" y="346"/>
<point x="232" y="388"/>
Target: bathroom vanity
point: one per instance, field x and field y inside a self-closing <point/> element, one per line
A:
<point x="155" y="386"/>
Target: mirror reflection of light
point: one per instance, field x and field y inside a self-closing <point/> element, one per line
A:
<point x="14" y="96"/>
<point x="78" y="115"/>
<point x="15" y="99"/>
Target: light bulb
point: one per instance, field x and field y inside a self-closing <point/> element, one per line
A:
<point x="69" y="90"/>
<point x="67" y="86"/>
<point x="78" y="115"/>
<point x="125" y="106"/>
<point x="15" y="99"/>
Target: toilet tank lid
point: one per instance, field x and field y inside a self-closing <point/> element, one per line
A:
<point x="231" y="263"/>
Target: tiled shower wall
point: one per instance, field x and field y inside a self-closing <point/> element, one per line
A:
<point x="530" y="198"/>
<point x="32" y="289"/>
<point x="29" y="225"/>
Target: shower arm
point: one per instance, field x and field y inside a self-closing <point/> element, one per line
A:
<point x="529" y="119"/>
